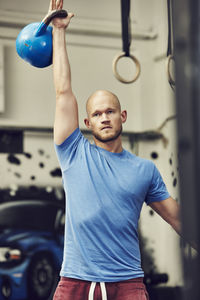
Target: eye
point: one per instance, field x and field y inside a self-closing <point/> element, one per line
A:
<point x="96" y="114"/>
<point x="110" y="112"/>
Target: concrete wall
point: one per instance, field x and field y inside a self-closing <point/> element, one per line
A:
<point x="27" y="96"/>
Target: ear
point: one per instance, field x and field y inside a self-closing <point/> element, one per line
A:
<point x="87" y="123"/>
<point x="123" y="116"/>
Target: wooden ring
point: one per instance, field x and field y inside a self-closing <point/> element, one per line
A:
<point x="119" y="77"/>
<point x="170" y="79"/>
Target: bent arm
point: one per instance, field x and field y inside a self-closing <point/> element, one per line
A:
<point x="66" y="115"/>
<point x="169" y="210"/>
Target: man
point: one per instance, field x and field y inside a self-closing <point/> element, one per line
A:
<point x="105" y="188"/>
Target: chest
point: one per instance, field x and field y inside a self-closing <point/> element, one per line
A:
<point x="117" y="178"/>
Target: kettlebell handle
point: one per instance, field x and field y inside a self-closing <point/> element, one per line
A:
<point x="61" y="13"/>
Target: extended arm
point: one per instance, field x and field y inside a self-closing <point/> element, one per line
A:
<point x="66" y="115"/>
<point x="169" y="210"/>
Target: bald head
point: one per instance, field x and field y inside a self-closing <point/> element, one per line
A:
<point x="101" y="95"/>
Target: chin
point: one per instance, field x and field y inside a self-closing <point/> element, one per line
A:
<point x="106" y="137"/>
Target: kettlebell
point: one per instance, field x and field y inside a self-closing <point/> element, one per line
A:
<point x="34" y="42"/>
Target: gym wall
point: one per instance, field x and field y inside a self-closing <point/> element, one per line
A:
<point x="27" y="98"/>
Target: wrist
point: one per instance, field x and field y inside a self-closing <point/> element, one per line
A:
<point x="59" y="29"/>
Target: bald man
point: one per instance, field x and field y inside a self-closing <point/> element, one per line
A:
<point x="105" y="120"/>
<point x="105" y="188"/>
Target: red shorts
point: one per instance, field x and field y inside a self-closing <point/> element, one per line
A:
<point x="75" y="289"/>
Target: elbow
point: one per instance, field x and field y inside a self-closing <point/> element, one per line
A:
<point x="64" y="91"/>
<point x="62" y="86"/>
<point x="60" y="93"/>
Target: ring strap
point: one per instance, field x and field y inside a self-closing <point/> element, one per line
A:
<point x="126" y="25"/>
<point x="170" y="29"/>
<point x="170" y="51"/>
<point x="126" y="41"/>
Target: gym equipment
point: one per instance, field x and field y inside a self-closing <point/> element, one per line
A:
<point x="126" y="38"/>
<point x="34" y="42"/>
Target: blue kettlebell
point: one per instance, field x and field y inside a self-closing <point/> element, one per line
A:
<point x="34" y="42"/>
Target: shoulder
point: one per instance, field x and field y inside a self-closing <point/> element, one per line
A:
<point x="139" y="160"/>
<point x="144" y="168"/>
<point x="75" y="135"/>
<point x="71" y="149"/>
<point x="75" y="140"/>
<point x="72" y="145"/>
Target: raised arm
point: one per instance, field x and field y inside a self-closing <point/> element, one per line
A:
<point x="66" y="115"/>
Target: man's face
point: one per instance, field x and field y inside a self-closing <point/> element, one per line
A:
<point x="105" y="117"/>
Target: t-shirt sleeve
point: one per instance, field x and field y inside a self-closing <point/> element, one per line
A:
<point x="67" y="151"/>
<point x="157" y="189"/>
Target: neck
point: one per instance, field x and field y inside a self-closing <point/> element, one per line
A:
<point x="114" y="146"/>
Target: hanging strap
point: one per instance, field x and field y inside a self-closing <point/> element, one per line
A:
<point x="126" y="41"/>
<point x="126" y="26"/>
<point x="170" y="33"/>
<point x="170" y="56"/>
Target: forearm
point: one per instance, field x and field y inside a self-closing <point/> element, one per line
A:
<point x="176" y="225"/>
<point x="61" y="66"/>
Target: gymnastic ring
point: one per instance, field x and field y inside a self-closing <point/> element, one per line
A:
<point x="170" y="79"/>
<point x="114" y="67"/>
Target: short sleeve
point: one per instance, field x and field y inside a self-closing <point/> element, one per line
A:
<point x="157" y="190"/>
<point x="67" y="151"/>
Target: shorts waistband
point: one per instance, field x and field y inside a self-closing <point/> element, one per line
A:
<point x="138" y="279"/>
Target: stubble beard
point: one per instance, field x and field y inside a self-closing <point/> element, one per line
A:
<point x="107" y="139"/>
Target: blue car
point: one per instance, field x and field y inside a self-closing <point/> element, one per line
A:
<point x="31" y="248"/>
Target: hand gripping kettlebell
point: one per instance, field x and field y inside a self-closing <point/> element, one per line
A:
<point x="34" y="42"/>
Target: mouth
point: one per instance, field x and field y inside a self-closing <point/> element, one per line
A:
<point x="106" y="127"/>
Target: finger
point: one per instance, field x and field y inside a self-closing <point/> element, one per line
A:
<point x="52" y="5"/>
<point x="59" y="4"/>
<point x="70" y="15"/>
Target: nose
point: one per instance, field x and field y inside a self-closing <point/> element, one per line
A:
<point x="104" y="118"/>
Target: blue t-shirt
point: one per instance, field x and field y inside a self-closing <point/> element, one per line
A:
<point x="105" y="192"/>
